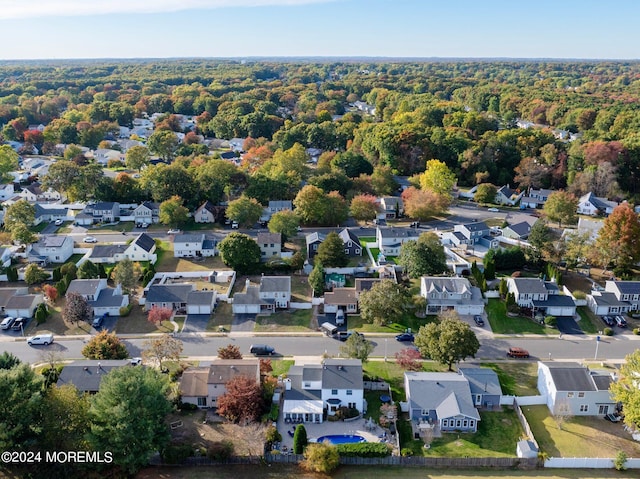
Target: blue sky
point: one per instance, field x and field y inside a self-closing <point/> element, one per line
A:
<point x="45" y="29"/>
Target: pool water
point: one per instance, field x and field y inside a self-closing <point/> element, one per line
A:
<point x="342" y="439"/>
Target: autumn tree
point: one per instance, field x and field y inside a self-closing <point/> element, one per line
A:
<point x="438" y="178"/>
<point x="230" y="351"/>
<point x="172" y="212"/>
<point x="18" y="219"/>
<point x="321" y="457"/>
<point x="311" y="205"/>
<point x="561" y="207"/>
<point x="163" y="348"/>
<point x="385" y="303"/>
<point x="424" y="204"/>
<point x="625" y="390"/>
<point x="164" y="143"/>
<point x="409" y="359"/>
<point x="242" y="400"/>
<point x="240" y="252"/>
<point x="8" y="163"/>
<point x="618" y="240"/>
<point x="158" y="315"/>
<point x="50" y="292"/>
<point x="105" y="345"/>
<point x="76" y="308"/>
<point x="331" y="252"/>
<point x="285" y="222"/>
<point x="137" y="157"/>
<point x="447" y="341"/>
<point x="364" y="207"/>
<point x="246" y="211"/>
<point x="485" y="193"/>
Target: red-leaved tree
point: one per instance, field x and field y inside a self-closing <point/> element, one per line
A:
<point x="242" y="401"/>
<point x="158" y="315"/>
<point x="230" y="351"/>
<point x="51" y="292"/>
<point x="409" y="359"/>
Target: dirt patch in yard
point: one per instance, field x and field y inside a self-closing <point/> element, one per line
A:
<point x="247" y="440"/>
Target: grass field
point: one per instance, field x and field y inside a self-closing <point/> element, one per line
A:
<point x="588" y="321"/>
<point x="221" y="318"/>
<point x="298" y="320"/>
<point x="580" y="436"/>
<point x="516" y="379"/>
<point x="503" y="324"/>
<point x="278" y="471"/>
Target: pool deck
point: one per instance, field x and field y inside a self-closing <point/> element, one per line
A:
<point x="357" y="427"/>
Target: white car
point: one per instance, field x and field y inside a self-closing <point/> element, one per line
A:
<point x="58" y="222"/>
<point x="45" y="338"/>
<point x="174" y="232"/>
<point x="493" y="210"/>
<point x="89" y="239"/>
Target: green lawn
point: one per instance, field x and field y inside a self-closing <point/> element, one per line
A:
<point x="281" y="366"/>
<point x="376" y="251"/>
<point x="298" y="320"/>
<point x="221" y="317"/>
<point x="589" y="323"/>
<point x="409" y="320"/>
<point x="580" y="436"/>
<point x="503" y="324"/>
<point x="300" y="289"/>
<point x="519" y="379"/>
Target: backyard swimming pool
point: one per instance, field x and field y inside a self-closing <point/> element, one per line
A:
<point x="341" y="439"/>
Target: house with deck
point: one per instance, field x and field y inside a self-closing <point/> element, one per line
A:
<point x="451" y="293"/>
<point x="541" y="296"/>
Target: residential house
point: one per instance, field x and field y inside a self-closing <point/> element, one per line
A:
<point x="352" y="246"/>
<point x="313" y="391"/>
<point x="147" y="213"/>
<point x="535" y="198"/>
<point x="7" y="191"/>
<point x="104" y="155"/>
<point x="444" y="294"/>
<point x="7" y="293"/>
<point x="142" y="248"/>
<point x="183" y="298"/>
<point x="23" y="305"/>
<point x="86" y="375"/>
<point x="508" y="196"/>
<point x="618" y="297"/>
<point x="391" y="207"/>
<point x="471" y="234"/>
<point x="45" y="213"/>
<point x="440" y="402"/>
<point x="347" y="298"/>
<point x="541" y="296"/>
<point x="390" y="240"/>
<point x="591" y="205"/>
<point x="51" y="249"/>
<point x="34" y="193"/>
<point x="270" y="245"/>
<point x="207" y="212"/>
<point x="590" y="227"/>
<point x="573" y="389"/>
<point x="275" y="206"/>
<point x="203" y="386"/>
<point x="518" y="231"/>
<point x="5" y="257"/>
<point x="484" y="384"/>
<point x="102" y="299"/>
<point x="194" y="245"/>
<point x="104" y="211"/>
<point x="313" y="241"/>
<point x="236" y="144"/>
<point x="273" y="292"/>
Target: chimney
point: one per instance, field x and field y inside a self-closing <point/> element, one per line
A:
<point x="287" y="384"/>
<point x="99" y="368"/>
<point x="247" y="283"/>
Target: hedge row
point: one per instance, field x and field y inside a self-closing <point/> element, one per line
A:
<point x="364" y="449"/>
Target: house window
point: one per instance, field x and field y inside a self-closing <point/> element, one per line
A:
<point x="349" y="392"/>
<point x="445" y="422"/>
<point x="307" y="385"/>
<point x="424" y="412"/>
<point x="570" y="395"/>
<point x="472" y="423"/>
<point x="334" y="391"/>
<point x="584" y="407"/>
<point x="603" y="409"/>
<point x="581" y="394"/>
<point x="465" y="424"/>
<point x="202" y="401"/>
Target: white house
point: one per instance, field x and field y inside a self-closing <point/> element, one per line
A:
<point x="573" y="389"/>
<point x="51" y="249"/>
<point x="183" y="298"/>
<point x="313" y="390"/>
<point x="142" y="248"/>
<point x="203" y="386"/>
<point x="273" y="292"/>
<point x="270" y="245"/>
<point x="147" y="213"/>
<point x="193" y="245"/>
<point x="23" y="305"/>
<point x="390" y="240"/>
<point x="7" y="191"/>
<point x="101" y="298"/>
<point x="391" y="207"/>
<point x="508" y="196"/>
<point x="618" y="297"/>
<point x="444" y="293"/>
<point x="541" y="296"/>
<point x="206" y="213"/>
<point x="591" y="205"/>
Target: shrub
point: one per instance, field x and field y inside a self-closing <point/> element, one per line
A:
<point x="176" y="453"/>
<point x="41" y="313"/>
<point x="579" y="294"/>
<point x="406" y="452"/>
<point x="299" y="439"/>
<point x="346" y="412"/>
<point x="322" y="458"/>
<point x="364" y="449"/>
<point x="551" y="321"/>
<point x="12" y="274"/>
<point x="272" y="435"/>
<point x="636" y="331"/>
<point x="620" y="461"/>
<point x="187" y="406"/>
<point x="220" y="451"/>
<point x="608" y="332"/>
<point x="125" y="310"/>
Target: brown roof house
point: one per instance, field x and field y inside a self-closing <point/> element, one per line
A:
<point x="203" y="386"/>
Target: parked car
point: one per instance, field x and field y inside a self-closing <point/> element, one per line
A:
<point x="518" y="353"/>
<point x="405" y="337"/>
<point x="7" y="322"/>
<point x="44" y="338"/>
<point x="89" y="239"/>
<point x="136" y="361"/>
<point x="234" y="225"/>
<point x="344" y="335"/>
<point x="261" y="350"/>
<point x="478" y="319"/>
<point x="58" y="222"/>
<point x="608" y="320"/>
<point x="415" y="224"/>
<point x="173" y="231"/>
<point x="621" y="322"/>
<point x="18" y="324"/>
<point x="493" y="210"/>
<point x="98" y="320"/>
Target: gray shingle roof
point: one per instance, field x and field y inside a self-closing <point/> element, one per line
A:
<point x="85" y="287"/>
<point x="107" y="298"/>
<point x="268" y="238"/>
<point x="628" y="287"/>
<point x="193" y="382"/>
<point x="297" y="393"/>
<point x="530" y="285"/>
<point x="314" y="237"/>
<point x="200" y="297"/>
<point x="482" y="380"/>
<point x="87" y="375"/>
<point x="169" y="293"/>
<point x="223" y="370"/>
<point x="448" y="394"/>
<point x="521" y="229"/>
<point x="250" y="296"/>
<point x="342" y="374"/>
<point x="274" y="284"/>
<point x="574" y="377"/>
<point x="189" y="238"/>
<point x="347" y="235"/>
<point x="479" y="226"/>
<point x="21" y="301"/>
<point x="107" y="250"/>
<point x="52" y="241"/>
<point x="398" y="233"/>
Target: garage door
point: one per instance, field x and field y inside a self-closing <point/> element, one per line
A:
<point x="240" y="308"/>
<point x="199" y="309"/>
<point x="561" y="311"/>
<point x="464" y="309"/>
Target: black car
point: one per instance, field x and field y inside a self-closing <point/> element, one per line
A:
<point x="344" y="335"/>
<point x="608" y="320"/>
<point x="405" y="337"/>
<point x="97" y="321"/>
<point x="478" y="319"/>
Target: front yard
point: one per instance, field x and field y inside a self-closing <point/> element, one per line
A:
<point x="583" y="436"/>
<point x="294" y="320"/>
<point x="516" y="379"/>
<point x="503" y="324"/>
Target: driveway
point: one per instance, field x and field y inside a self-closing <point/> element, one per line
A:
<point x="243" y="323"/>
<point x="108" y="324"/>
<point x="568" y="325"/>
<point x="50" y="229"/>
<point x="196" y="323"/>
